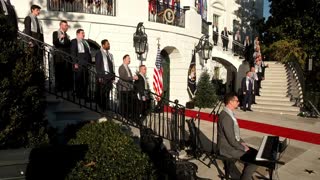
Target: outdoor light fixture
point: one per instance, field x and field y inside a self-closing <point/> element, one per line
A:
<point x="140" y="41"/>
<point x="204" y="48"/>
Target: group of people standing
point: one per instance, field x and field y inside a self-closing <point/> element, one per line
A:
<point x="72" y="59"/>
<point x="251" y="83"/>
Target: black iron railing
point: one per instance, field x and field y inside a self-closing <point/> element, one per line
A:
<point x="304" y="97"/>
<point x="103" y="7"/>
<point x="166" y="118"/>
<point x="238" y="48"/>
<point x="166" y="14"/>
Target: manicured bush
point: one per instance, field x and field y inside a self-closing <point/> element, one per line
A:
<point x="22" y="101"/>
<point x="112" y="154"/>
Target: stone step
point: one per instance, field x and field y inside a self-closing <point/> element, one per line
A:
<point x="275" y="78"/>
<point x="272" y="67"/>
<point x="271" y="91"/>
<point x="274" y="87"/>
<point x="274" y="102"/>
<point x="272" y="98"/>
<point x="276" y="107"/>
<point x="274" y="83"/>
<point x="276" y="111"/>
<point x="276" y="74"/>
<point x="268" y="94"/>
<point x="75" y="114"/>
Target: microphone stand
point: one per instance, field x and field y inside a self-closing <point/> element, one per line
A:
<point x="214" y="114"/>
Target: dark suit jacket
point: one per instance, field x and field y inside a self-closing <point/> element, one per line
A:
<point x="27" y="29"/>
<point x="81" y="58"/>
<point x="65" y="46"/>
<point x="244" y="86"/>
<point x="139" y="86"/>
<point x="125" y="81"/>
<point x="101" y="72"/>
<point x="226" y="142"/>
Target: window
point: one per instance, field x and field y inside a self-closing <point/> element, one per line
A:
<point x="215" y="20"/>
<point x="104" y="7"/>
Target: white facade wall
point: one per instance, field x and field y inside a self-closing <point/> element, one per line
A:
<point x="178" y="42"/>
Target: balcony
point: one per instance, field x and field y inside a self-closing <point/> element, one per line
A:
<point x="102" y="7"/>
<point x="165" y="13"/>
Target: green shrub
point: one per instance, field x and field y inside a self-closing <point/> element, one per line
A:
<point x="205" y="96"/>
<point x="22" y="102"/>
<point x="111" y="154"/>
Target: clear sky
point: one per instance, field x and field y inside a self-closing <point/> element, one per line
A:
<point x="266" y="9"/>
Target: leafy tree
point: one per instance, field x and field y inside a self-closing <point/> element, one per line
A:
<point x="111" y="154"/>
<point x="22" y="102"/>
<point x="294" y="20"/>
<point x="247" y="16"/>
<point x="287" y="50"/>
<point x="205" y="96"/>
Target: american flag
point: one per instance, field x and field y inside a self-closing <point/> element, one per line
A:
<point x="157" y="76"/>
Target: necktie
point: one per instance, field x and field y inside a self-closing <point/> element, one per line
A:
<point x="85" y="43"/>
<point x="110" y="65"/>
<point x="250" y="85"/>
<point x="38" y="25"/>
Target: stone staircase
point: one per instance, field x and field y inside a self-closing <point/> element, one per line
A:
<point x="61" y="113"/>
<point x="274" y="92"/>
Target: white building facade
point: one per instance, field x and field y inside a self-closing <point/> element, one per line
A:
<point x="118" y="24"/>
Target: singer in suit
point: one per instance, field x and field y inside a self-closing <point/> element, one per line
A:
<point x="229" y="142"/>
<point x="225" y="38"/>
<point x="125" y="87"/>
<point x="33" y="28"/>
<point x="142" y="91"/>
<point x="247" y="91"/>
<point x="105" y="74"/>
<point x="80" y="51"/>
<point x="62" y="65"/>
<point x="215" y="34"/>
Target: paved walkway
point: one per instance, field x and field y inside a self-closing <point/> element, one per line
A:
<point x="299" y="157"/>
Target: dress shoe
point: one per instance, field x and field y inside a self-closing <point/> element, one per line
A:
<point x="249" y="109"/>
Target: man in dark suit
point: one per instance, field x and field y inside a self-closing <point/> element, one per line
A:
<point x="125" y="87"/>
<point x="247" y="91"/>
<point x="33" y="28"/>
<point x="80" y="51"/>
<point x="215" y="34"/>
<point x="229" y="142"/>
<point x="142" y="91"/>
<point x="62" y="66"/>
<point x="105" y="75"/>
<point x="225" y="38"/>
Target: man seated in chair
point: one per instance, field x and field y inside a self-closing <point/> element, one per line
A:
<point x="229" y="142"/>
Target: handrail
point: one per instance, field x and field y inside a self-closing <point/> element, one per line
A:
<point x="166" y="119"/>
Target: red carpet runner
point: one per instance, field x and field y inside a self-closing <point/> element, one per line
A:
<point x="295" y="134"/>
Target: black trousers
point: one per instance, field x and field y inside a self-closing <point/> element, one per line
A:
<point x="103" y="95"/>
<point x="82" y="82"/>
<point x="126" y="104"/>
<point x="247" y="100"/>
<point x="225" y="43"/>
<point x="215" y="38"/>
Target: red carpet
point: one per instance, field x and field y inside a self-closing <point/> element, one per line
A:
<point x="295" y="134"/>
